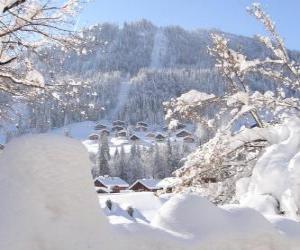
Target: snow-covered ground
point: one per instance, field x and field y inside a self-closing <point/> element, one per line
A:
<point x="47" y="206"/>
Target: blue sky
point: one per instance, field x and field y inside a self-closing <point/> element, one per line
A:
<point x="227" y="15"/>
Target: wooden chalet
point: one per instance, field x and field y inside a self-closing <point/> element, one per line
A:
<point x="141" y="128"/>
<point x="134" y="138"/>
<point x="160" y="137"/>
<point x="151" y="135"/>
<point x="168" y="184"/>
<point x="117" y="128"/>
<point x="104" y="131"/>
<point x="145" y="185"/>
<point x="144" y="124"/>
<point x="119" y="123"/>
<point x="183" y="133"/>
<point x="94" y="137"/>
<point x="110" y="184"/>
<point x="122" y="133"/>
<point x="100" y="126"/>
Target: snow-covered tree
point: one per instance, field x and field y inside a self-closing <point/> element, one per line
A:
<point x="229" y="154"/>
<point x="103" y="155"/>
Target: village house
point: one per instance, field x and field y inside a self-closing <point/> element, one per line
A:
<point x="141" y="128"/>
<point x="145" y="185"/>
<point x="122" y="133"/>
<point x="104" y="131"/>
<point x="117" y="128"/>
<point x="107" y="184"/>
<point x="151" y="135"/>
<point x="183" y="133"/>
<point x="189" y="139"/>
<point x="100" y="126"/>
<point x="134" y="138"/>
<point x="144" y="124"/>
<point x="168" y="184"/>
<point x="160" y="137"/>
<point x="119" y="123"/>
<point x="94" y="137"/>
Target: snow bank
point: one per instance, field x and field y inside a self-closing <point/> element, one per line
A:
<point x="275" y="184"/>
<point x="48" y="201"/>
<point x="194" y="96"/>
<point x="206" y="226"/>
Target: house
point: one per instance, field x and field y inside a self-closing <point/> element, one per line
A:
<point x="134" y="138"/>
<point x="100" y="126"/>
<point x="104" y="131"/>
<point x="119" y="123"/>
<point x="122" y="133"/>
<point x="145" y="185"/>
<point x="168" y="184"/>
<point x="151" y="135"/>
<point x="94" y="137"/>
<point x="180" y="125"/>
<point x="110" y="184"/>
<point x="144" y="124"/>
<point x="160" y="137"/>
<point x="189" y="139"/>
<point x="2" y="147"/>
<point x="141" y="128"/>
<point x="117" y="128"/>
<point x="183" y="133"/>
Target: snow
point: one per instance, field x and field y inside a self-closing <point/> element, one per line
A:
<point x="206" y="226"/>
<point x="48" y="202"/>
<point x="47" y="196"/>
<point x="194" y="96"/>
<point x="79" y="131"/>
<point x="275" y="179"/>
<point x="124" y="89"/>
<point x="159" y="49"/>
<point x="111" y="182"/>
<point x="168" y="182"/>
<point x="145" y="205"/>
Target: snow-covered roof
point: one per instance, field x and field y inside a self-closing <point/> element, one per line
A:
<point x="148" y="183"/>
<point x="110" y="182"/>
<point x="194" y="96"/>
<point x="168" y="182"/>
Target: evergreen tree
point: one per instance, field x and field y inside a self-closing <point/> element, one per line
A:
<point x="103" y="155"/>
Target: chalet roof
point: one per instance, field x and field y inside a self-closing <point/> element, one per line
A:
<point x="111" y="182"/>
<point x="93" y="136"/>
<point x="168" y="182"/>
<point x="134" y="137"/>
<point x="118" y="122"/>
<point x="189" y="138"/>
<point x="99" y="126"/>
<point x="117" y="127"/>
<point x="183" y="133"/>
<point x="141" y="123"/>
<point x="104" y="131"/>
<point x="148" y="183"/>
<point x="150" y="134"/>
<point x="160" y="136"/>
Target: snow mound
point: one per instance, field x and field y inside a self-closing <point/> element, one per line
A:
<point x="277" y="174"/>
<point x="204" y="224"/>
<point x="47" y="197"/>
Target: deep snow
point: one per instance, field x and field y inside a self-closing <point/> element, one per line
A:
<point x="48" y="202"/>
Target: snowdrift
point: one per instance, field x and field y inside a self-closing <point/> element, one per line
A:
<point x="274" y="186"/>
<point x="206" y="226"/>
<point x="48" y="201"/>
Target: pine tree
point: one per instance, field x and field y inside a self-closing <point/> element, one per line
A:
<point x="103" y="155"/>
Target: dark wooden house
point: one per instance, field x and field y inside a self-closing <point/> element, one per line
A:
<point x="145" y="185"/>
<point x="119" y="123"/>
<point x="110" y="184"/>
<point x="100" y="126"/>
